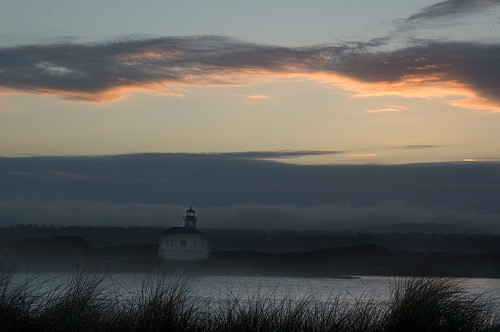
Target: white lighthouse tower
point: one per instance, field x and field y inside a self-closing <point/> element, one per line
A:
<point x="184" y="243"/>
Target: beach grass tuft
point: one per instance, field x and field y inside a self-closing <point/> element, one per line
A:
<point x="436" y="304"/>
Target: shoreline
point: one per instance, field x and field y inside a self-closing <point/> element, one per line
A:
<point x="336" y="262"/>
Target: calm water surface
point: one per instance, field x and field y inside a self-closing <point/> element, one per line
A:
<point x="364" y="289"/>
<point x="376" y="289"/>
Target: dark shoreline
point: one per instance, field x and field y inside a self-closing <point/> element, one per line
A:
<point x="68" y="253"/>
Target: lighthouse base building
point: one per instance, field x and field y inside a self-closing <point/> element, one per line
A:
<point x="184" y="243"/>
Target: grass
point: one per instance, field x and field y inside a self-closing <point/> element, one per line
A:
<point x="85" y="302"/>
<point x="162" y="304"/>
<point x="437" y="304"/>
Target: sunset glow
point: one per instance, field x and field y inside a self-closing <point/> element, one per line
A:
<point x="403" y="79"/>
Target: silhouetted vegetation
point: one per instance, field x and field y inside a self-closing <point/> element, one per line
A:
<point x="436" y="304"/>
<point x="164" y="302"/>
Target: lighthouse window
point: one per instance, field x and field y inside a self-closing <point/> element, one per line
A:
<point x="194" y="243"/>
<point x="183" y="243"/>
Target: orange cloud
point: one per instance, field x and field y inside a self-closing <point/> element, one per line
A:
<point x="462" y="74"/>
<point x="363" y="155"/>
<point x="258" y="97"/>
<point x="474" y="102"/>
<point x="452" y="92"/>
<point x="383" y="110"/>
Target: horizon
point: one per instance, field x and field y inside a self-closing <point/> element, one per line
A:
<point x="389" y="229"/>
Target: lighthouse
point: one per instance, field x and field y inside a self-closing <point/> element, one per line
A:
<point x="184" y="243"/>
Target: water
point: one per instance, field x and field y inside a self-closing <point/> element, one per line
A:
<point x="376" y="289"/>
<point x="213" y="289"/>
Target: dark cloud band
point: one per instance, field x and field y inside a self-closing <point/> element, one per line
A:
<point x="237" y="191"/>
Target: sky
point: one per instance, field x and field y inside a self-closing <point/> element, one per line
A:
<point x="386" y="82"/>
<point x="288" y="114"/>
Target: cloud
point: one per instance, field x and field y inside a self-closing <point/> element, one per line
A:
<point x="244" y="190"/>
<point x="103" y="72"/>
<point x="274" y="154"/>
<point x="464" y="74"/>
<point x="257" y="97"/>
<point x="362" y="155"/>
<point x="384" y="110"/>
<point x="452" y="8"/>
<point x="416" y="147"/>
